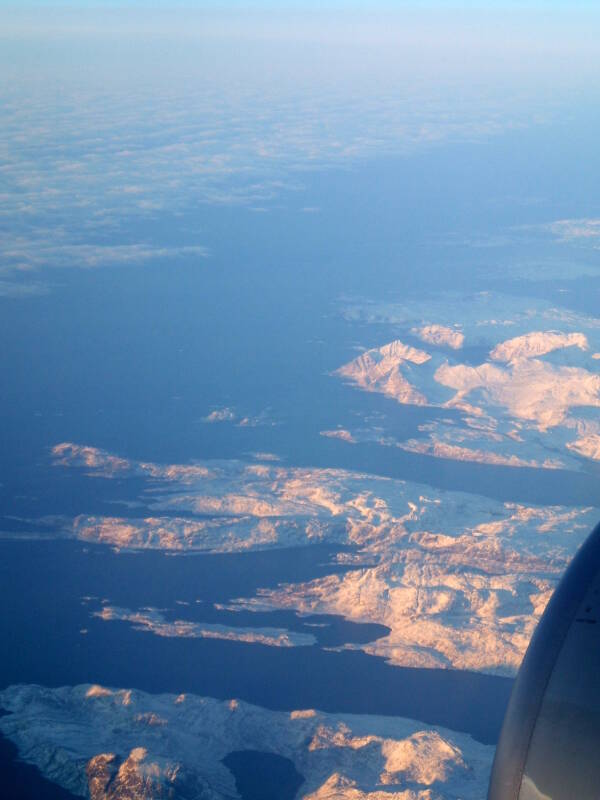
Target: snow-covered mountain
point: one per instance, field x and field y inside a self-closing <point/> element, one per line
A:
<point x="108" y="744"/>
<point x="459" y="579"/>
<point x="522" y="375"/>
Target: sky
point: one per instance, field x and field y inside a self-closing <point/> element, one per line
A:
<point x="313" y="4"/>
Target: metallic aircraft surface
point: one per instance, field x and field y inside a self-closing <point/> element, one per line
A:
<point x="549" y="748"/>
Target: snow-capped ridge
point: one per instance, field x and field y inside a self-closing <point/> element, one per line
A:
<point x="96" y="745"/>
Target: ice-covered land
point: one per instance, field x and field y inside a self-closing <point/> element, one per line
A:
<point x="104" y="743"/>
<point x="519" y="377"/>
<point x="152" y="621"/>
<point x="460" y="579"/>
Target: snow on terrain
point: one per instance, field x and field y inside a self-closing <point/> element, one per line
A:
<point x="103" y="743"/>
<point x="527" y="395"/>
<point x="533" y="345"/>
<point x="381" y="370"/>
<point x="440" y="335"/>
<point x="460" y="579"/>
<point x="151" y="620"/>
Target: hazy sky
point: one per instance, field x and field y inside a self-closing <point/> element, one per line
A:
<point x="567" y="5"/>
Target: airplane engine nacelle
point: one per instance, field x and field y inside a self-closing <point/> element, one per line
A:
<point x="549" y="747"/>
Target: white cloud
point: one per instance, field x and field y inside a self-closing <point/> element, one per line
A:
<point x="37" y="253"/>
<point x="583" y="229"/>
<point x="19" y="289"/>
<point x="132" y="141"/>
